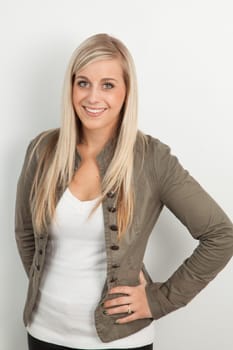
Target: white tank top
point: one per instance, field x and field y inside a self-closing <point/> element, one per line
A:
<point x="73" y="278"/>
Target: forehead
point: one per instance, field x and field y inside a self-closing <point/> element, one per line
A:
<point x="102" y="68"/>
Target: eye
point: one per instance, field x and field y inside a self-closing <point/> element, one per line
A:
<point x="82" y="83"/>
<point x="108" y="85"/>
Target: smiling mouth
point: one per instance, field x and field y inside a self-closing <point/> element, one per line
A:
<point x="94" y="112"/>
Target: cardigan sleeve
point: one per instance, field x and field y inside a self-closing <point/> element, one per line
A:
<point x="23" y="220"/>
<point x="205" y="221"/>
<point x="24" y="232"/>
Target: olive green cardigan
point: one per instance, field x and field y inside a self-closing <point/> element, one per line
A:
<point x="158" y="180"/>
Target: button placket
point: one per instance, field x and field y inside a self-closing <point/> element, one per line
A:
<point x="111" y="209"/>
<point x="111" y="194"/>
<point x="114" y="247"/>
<point x="41" y="241"/>
<point x="38" y="248"/>
<point x="115" y="266"/>
<point x="113" y="230"/>
<point x="113" y="227"/>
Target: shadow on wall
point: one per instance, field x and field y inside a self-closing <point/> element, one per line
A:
<point x="169" y="245"/>
<point x="14" y="280"/>
<point x="37" y="108"/>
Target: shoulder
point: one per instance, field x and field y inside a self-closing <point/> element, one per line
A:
<point x="41" y="144"/>
<point x="155" y="156"/>
<point x="42" y="140"/>
<point x="151" y="146"/>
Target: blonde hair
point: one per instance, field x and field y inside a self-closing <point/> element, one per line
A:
<point x="56" y="165"/>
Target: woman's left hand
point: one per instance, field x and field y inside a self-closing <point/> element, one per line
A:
<point x="134" y="303"/>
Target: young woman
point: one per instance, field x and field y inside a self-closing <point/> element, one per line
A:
<point x="88" y="197"/>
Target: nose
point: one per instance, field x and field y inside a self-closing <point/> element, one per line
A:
<point x="93" y="95"/>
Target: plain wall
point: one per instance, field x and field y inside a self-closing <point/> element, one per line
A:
<point x="183" y="52"/>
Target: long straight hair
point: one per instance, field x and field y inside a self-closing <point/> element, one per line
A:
<point x="56" y="164"/>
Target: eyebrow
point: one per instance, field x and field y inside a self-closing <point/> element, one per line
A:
<point x="103" y="79"/>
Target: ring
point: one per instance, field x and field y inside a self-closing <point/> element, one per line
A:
<point x="129" y="309"/>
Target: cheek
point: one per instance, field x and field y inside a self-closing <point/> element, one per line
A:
<point x="119" y="99"/>
<point x="76" y="98"/>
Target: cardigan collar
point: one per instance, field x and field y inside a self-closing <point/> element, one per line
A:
<point x="103" y="158"/>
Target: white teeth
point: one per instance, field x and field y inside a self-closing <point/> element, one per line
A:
<point x="92" y="110"/>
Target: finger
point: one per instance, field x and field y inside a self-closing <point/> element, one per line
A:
<point x="117" y="301"/>
<point x="117" y="310"/>
<point x="121" y="289"/>
<point x="130" y="318"/>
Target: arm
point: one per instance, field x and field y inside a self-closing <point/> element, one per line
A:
<point x="24" y="233"/>
<point x="206" y="222"/>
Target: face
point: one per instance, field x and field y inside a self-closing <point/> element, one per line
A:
<point x="98" y="95"/>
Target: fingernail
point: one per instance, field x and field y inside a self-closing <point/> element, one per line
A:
<point x="105" y="312"/>
<point x="116" y="322"/>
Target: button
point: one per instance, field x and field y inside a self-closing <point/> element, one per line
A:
<point x="114" y="266"/>
<point x="114" y="247"/>
<point x="111" y="194"/>
<point x="113" y="279"/>
<point x="113" y="227"/>
<point x="38" y="267"/>
<point x="111" y="209"/>
<point x="40" y="251"/>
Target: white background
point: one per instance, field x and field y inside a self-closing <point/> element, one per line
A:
<point x="183" y="52"/>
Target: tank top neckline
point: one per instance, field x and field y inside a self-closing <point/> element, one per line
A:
<point x="77" y="200"/>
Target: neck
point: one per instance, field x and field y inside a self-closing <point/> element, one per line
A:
<point x="95" y="140"/>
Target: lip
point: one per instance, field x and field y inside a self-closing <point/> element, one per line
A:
<point x="94" y="112"/>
